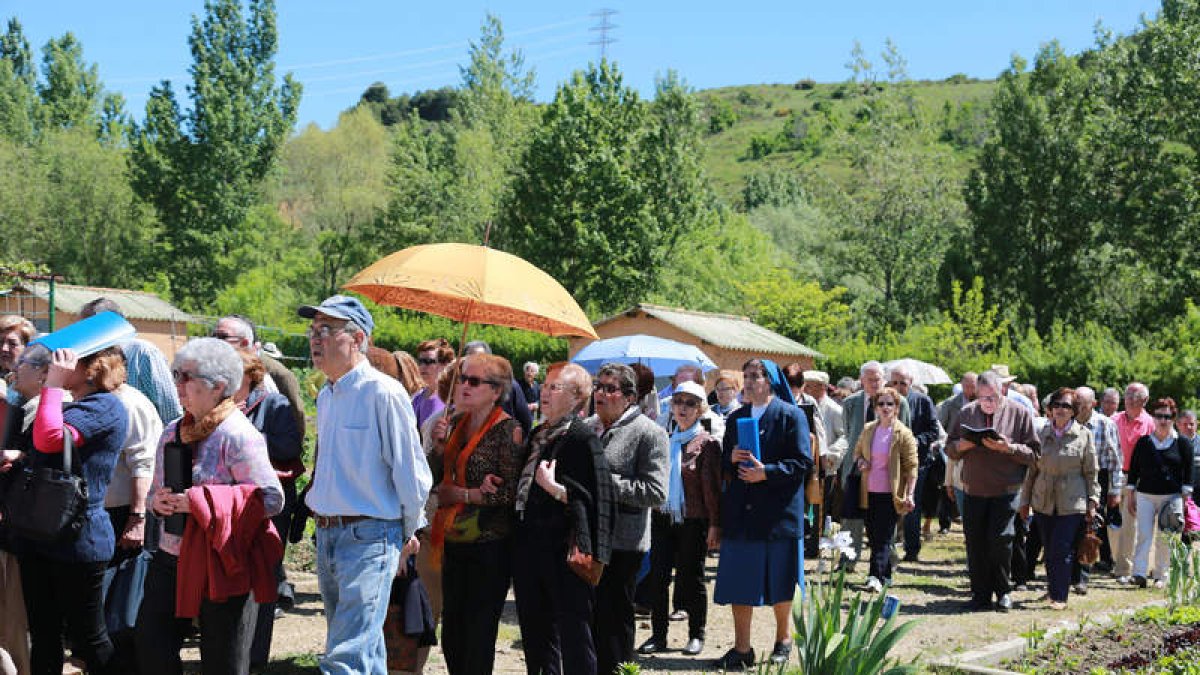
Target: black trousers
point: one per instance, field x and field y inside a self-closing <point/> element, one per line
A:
<point x="1021" y="566"/>
<point x="613" y="627"/>
<point x="226" y="628"/>
<point x="679" y="547"/>
<point x="554" y="606"/>
<point x="881" y="529"/>
<point x="70" y="594"/>
<point x="1104" y="477"/>
<point x="475" y="581"/>
<point x="1032" y="549"/>
<point x="990" y="524"/>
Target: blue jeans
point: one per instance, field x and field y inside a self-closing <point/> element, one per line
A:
<point x="355" y="567"/>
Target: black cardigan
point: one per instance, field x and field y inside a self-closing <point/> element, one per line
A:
<point x="1160" y="472"/>
<point x="591" y="499"/>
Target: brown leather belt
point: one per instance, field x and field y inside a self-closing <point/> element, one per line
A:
<point x="336" y="521"/>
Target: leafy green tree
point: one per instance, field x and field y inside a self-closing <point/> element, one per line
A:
<point x="1031" y="199"/>
<point x="774" y="187"/>
<point x="203" y="169"/>
<point x="796" y="308"/>
<point x="70" y="90"/>
<point x="18" y="93"/>
<point x="332" y="185"/>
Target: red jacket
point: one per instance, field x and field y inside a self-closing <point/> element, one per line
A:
<point x="229" y="548"/>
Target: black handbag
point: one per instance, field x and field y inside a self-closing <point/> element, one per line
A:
<point x="45" y="503"/>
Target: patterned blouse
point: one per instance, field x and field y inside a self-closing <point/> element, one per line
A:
<point x="233" y="454"/>
<point x="497" y="453"/>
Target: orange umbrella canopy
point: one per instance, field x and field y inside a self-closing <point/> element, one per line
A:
<point x="473" y="284"/>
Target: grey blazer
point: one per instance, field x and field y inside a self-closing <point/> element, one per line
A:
<point x="637" y="450"/>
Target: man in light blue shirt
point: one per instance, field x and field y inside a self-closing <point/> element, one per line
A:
<point x="369" y="486"/>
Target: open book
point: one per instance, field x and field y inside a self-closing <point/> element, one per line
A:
<point x="976" y="435"/>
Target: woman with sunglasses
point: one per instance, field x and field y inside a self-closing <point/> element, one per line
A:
<point x="1160" y="472"/>
<point x="432" y="358"/>
<point x="474" y="522"/>
<point x="1061" y="488"/>
<point x="62" y="580"/>
<point x="226" y="451"/>
<point x="683" y="530"/>
<point x="886" y="453"/>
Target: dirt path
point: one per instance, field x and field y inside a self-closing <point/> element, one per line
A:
<point x="932" y="591"/>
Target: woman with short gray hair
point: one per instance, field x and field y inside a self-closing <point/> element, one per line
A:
<point x="226" y="450"/>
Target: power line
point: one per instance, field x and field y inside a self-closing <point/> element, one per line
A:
<point x="603" y="39"/>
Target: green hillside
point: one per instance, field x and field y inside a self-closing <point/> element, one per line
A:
<point x="801" y="114"/>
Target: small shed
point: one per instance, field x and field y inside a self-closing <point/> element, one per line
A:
<point x="156" y="320"/>
<point x="729" y="340"/>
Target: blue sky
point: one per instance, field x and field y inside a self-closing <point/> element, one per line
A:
<point x="337" y="48"/>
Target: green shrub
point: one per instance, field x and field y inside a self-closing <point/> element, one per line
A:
<point x="806" y="84"/>
<point x="721" y="116"/>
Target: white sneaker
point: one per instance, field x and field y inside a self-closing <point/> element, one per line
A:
<point x="873" y="585"/>
<point x="1125" y="580"/>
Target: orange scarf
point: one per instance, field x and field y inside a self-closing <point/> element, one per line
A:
<point x="192" y="430"/>
<point x="454" y="472"/>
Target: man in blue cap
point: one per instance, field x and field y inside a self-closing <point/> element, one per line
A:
<point x="368" y="489"/>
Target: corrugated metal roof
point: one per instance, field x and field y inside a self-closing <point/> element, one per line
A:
<point x="724" y="330"/>
<point x="133" y="304"/>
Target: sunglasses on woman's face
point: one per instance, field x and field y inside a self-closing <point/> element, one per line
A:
<point x="1064" y="405"/>
<point x="606" y="387"/>
<point x="426" y="361"/>
<point x="886" y="404"/>
<point x="476" y="381"/>
<point x="688" y="402"/>
<point x="183" y="376"/>
<point x="1163" y="416"/>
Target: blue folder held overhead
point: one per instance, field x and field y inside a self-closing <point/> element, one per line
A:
<point x="90" y="335"/>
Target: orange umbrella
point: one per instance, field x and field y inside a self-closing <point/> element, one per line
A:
<point x="473" y="284"/>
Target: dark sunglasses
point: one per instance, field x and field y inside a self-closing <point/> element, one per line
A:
<point x="426" y="361"/>
<point x="886" y="404"/>
<point x="688" y="402"/>
<point x="1163" y="416"/>
<point x="183" y="376"/>
<point x="475" y="380"/>
<point x="226" y="336"/>
<point x="606" y="387"/>
<point x="1062" y="404"/>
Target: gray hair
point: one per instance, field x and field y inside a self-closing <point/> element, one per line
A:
<point x="1085" y="392"/>
<point x="902" y="372"/>
<point x="1141" y="391"/>
<point x="354" y="329"/>
<point x="1111" y="391"/>
<point x="1189" y="413"/>
<point x="989" y="378"/>
<point x="216" y="361"/>
<point x="847" y="383"/>
<point x="528" y="364"/>
<point x="477" y="345"/>
<point x="37" y="355"/>
<point x="869" y="366"/>
<point x="99" y="305"/>
<point x="245" y="329"/>
<point x="623" y="374"/>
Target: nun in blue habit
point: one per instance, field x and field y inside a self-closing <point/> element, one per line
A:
<point x="762" y="512"/>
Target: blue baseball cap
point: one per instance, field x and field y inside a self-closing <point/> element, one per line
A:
<point x="341" y="307"/>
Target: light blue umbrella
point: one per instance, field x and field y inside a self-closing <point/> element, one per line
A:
<point x="661" y="355"/>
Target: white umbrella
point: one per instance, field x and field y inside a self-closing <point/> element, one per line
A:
<point x="922" y="373"/>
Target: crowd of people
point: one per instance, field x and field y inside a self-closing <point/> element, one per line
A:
<point x="585" y="494"/>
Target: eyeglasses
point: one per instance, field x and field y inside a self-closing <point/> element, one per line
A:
<point x="989" y="399"/>
<point x="897" y="383"/>
<point x="426" y="361"/>
<point x="1062" y="404"/>
<point x="475" y="380"/>
<point x="606" y="387"/>
<point x="228" y="337"/>
<point x="885" y="404"/>
<point x="689" y="402"/>
<point x="557" y="386"/>
<point x="183" y="376"/>
<point x="1163" y="416"/>
<point x="323" y="332"/>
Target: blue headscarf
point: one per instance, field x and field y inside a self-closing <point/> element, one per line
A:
<point x="779" y="385"/>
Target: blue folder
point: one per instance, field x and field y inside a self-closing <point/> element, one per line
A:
<point x="90" y="335"/>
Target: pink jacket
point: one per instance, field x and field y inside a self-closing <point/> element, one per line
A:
<point x="230" y="548"/>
